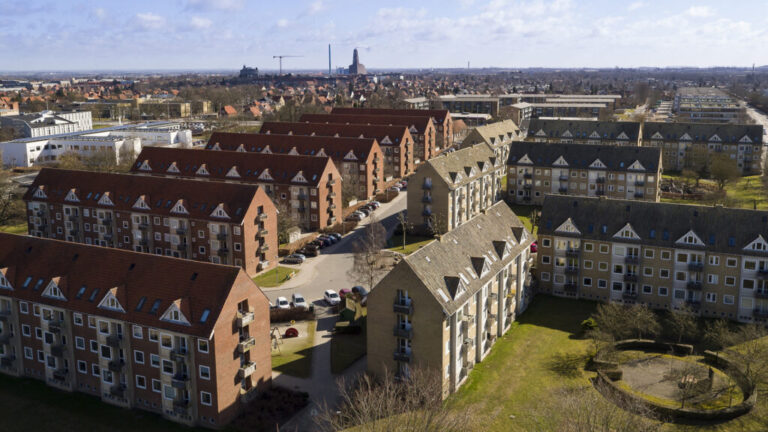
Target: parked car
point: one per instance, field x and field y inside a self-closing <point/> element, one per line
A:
<point x="343" y="292"/>
<point x="375" y="204"/>
<point x="394" y="189"/>
<point x="364" y="211"/>
<point x="310" y="250"/>
<point x="534" y="247"/>
<point x="282" y="303"/>
<point x="404" y="182"/>
<point x="295" y="258"/>
<point x="331" y="298"/>
<point x="319" y="243"/>
<point x="355" y="217"/>
<point x="337" y="236"/>
<point x="329" y="238"/>
<point x="298" y="301"/>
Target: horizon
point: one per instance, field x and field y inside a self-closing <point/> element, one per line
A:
<point x="222" y="35"/>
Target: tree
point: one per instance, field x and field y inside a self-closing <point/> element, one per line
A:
<point x="70" y="160"/>
<point x="681" y="323"/>
<point x="391" y="403"/>
<point x="689" y="379"/>
<point x="749" y="350"/>
<point x="285" y="221"/>
<point x="402" y="219"/>
<point x="367" y="266"/>
<point x="691" y="176"/>
<point x="613" y="321"/>
<point x="12" y="208"/>
<point x="723" y="169"/>
<point x="643" y="321"/>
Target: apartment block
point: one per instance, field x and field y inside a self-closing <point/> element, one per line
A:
<point x="396" y="142"/>
<point x="454" y="187"/>
<point x="707" y="104"/>
<point x="47" y="123"/>
<point x="497" y="136"/>
<point x="692" y="145"/>
<point x="471" y="103"/>
<point x="584" y="132"/>
<point x="538" y="169"/>
<point x="444" y="306"/>
<point x="422" y="129"/>
<point x="307" y="187"/>
<point x="442" y="119"/>
<point x="712" y="260"/>
<point x="359" y="160"/>
<point x="183" y="339"/>
<point x="222" y="223"/>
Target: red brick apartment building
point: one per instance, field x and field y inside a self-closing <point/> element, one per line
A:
<point x="184" y="339"/>
<point x="307" y="186"/>
<point x="359" y="160"/>
<point x="222" y="223"/>
<point x="396" y="142"/>
<point x="442" y="117"/>
<point x="422" y="129"/>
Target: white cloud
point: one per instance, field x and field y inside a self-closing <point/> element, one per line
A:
<point x="200" y="23"/>
<point x="700" y="11"/>
<point x="315" y="7"/>
<point x="100" y="13"/>
<point x="636" y="5"/>
<point x="149" y="21"/>
<point x="216" y="4"/>
<point x="282" y="23"/>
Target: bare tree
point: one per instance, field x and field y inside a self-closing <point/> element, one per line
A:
<point x="723" y="170"/>
<point x="613" y="321"/>
<point x="643" y="321"/>
<point x="402" y="220"/>
<point x="285" y="221"/>
<point x="12" y="208"/>
<point x="681" y="323"/>
<point x="367" y="264"/>
<point x="749" y="350"/>
<point x="390" y="403"/>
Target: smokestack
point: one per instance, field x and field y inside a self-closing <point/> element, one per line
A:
<point x="329" y="59"/>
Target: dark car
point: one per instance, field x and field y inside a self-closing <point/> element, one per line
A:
<point x="337" y="236"/>
<point x="319" y="243"/>
<point x="310" y="250"/>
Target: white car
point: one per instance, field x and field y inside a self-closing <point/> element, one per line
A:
<point x="282" y="303"/>
<point x="298" y="301"/>
<point x="331" y="297"/>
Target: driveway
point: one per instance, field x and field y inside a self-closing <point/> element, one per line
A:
<point x="330" y="269"/>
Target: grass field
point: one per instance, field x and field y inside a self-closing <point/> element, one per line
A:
<point x="295" y="359"/>
<point x="745" y="192"/>
<point x="275" y="277"/>
<point x="14" y="229"/>
<point x="412" y="243"/>
<point x="525" y="213"/>
<point x="543" y="352"/>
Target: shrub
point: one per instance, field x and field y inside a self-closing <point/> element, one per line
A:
<point x="589" y="324"/>
<point x="293" y="314"/>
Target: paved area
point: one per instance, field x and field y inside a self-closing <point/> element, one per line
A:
<point x="330" y="269"/>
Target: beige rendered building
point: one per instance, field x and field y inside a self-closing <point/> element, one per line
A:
<point x="714" y="260"/>
<point x="444" y="305"/>
<point x="497" y="136"/>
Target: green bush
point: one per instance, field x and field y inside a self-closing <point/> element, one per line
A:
<point x="589" y="324"/>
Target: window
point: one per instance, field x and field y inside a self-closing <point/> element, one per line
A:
<point x="727" y="299"/>
<point x="24" y="307"/>
<point x="205" y="398"/>
<point x="587" y="281"/>
<point x="546" y="259"/>
<point x="712" y="279"/>
<point x="589" y="247"/>
<point x="106" y="352"/>
<point x="730" y="262"/>
<point x="618" y="269"/>
<point x="587" y="265"/>
<point x="748" y="284"/>
<point x="202" y="345"/>
<point x="603" y="249"/>
<point x="167" y="367"/>
<point x="602" y="266"/>
<point x="617" y="286"/>
<point x="156" y="385"/>
<point x="82" y="367"/>
<point x="711" y="297"/>
<point x="104" y="327"/>
<point x="205" y="372"/>
<point x="545" y="242"/>
<point x="545" y="276"/>
<point x="38" y="333"/>
<point x="714" y="260"/>
<point x="26" y="330"/>
<point x="94" y="346"/>
<point x="141" y="381"/>
<point x="169" y="392"/>
<point x="750" y="265"/>
<point x="166" y="340"/>
<point x="154" y="360"/>
<point x="138" y="357"/>
<point x="602" y="283"/>
<point x="682" y="258"/>
<point x="153" y="335"/>
<point x="138" y="332"/>
<point x="647" y="289"/>
<point x="78" y="319"/>
<point x="679" y="294"/>
<point x="648" y="253"/>
<point x="680" y="276"/>
<point x="663" y="291"/>
<point x="28" y="353"/>
<point x="666" y="255"/>
<point x="730" y="281"/>
<point x="106" y="376"/>
<point x="41" y="356"/>
<point x="664" y="273"/>
<point x="79" y="342"/>
<point x="647" y="271"/>
<point x="95" y="370"/>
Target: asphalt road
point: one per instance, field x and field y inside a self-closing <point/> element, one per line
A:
<point x="330" y="269"/>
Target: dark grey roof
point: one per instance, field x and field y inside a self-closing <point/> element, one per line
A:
<point x="582" y="129"/>
<point x="728" y="133"/>
<point x="722" y="229"/>
<point x="581" y="156"/>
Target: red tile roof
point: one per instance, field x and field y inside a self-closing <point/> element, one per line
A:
<point x="131" y="276"/>
<point x="438" y="114"/>
<point x="420" y="123"/>
<point x="248" y="166"/>
<point x="336" y="148"/>
<point x="378" y="132"/>
<point x="159" y="193"/>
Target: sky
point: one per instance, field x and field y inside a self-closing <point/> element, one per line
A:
<point x="40" y="35"/>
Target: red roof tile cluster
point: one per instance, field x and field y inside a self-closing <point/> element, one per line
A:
<point x="145" y="285"/>
<point x="420" y="123"/>
<point x="335" y="148"/>
<point x="378" y="132"/>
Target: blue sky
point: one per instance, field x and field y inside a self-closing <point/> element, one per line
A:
<point x="218" y="34"/>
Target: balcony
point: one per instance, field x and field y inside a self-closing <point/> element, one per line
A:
<point x="331" y="206"/>
<point x="599" y="192"/>
<point x="572" y="253"/>
<point x="403" y="332"/>
<point x="632" y="259"/>
<point x="402" y="356"/>
<point x="571" y="270"/>
<point x="570" y="287"/>
<point x="427" y="186"/>
<point x="246" y="345"/>
<point x="759" y="313"/>
<point x="222" y="252"/>
<point x="222" y="236"/>
<point x="179" y="354"/>
<point x="630" y="277"/>
<point x="73" y="219"/>
<point x="331" y="182"/>
<point x="143" y="226"/>
<point x="762" y="273"/>
<point x="7" y="362"/>
<point x="182" y="247"/>
<point x="116" y="365"/>
<point x="638" y="194"/>
<point x="114" y="340"/>
<point x="179" y="381"/>
<point x="694" y="285"/>
<point x="106" y="221"/>
<point x="331" y="194"/>
<point x="629" y="295"/>
<point x="696" y="266"/>
<point x="527" y="176"/>
<point x="5" y="338"/>
<point x="55" y="325"/>
<point x="639" y="183"/>
<point x="563" y="190"/>
<point x="527" y="185"/>
<point x="563" y="178"/>
<point x="403" y="306"/>
<point x="180" y="406"/>
<point x="693" y="303"/>
<point x="332" y="220"/>
<point x="143" y="241"/>
<point x="58" y="350"/>
<point x="426" y="199"/>
<point x="5" y="315"/>
<point x="246" y="370"/>
<point x="263" y="232"/>
<point x="117" y="390"/>
<point x="60" y="374"/>
<point x="600" y="180"/>
<point x="763" y="294"/>
<point x="245" y="318"/>
<point x="40" y="213"/>
<point x="181" y="231"/>
<point x="469" y="341"/>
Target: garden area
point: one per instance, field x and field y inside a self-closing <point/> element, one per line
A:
<point x="412" y="243"/>
<point x="275" y="277"/>
<point x="741" y="192"/>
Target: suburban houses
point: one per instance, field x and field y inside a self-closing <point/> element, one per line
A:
<point x="445" y="305"/>
<point x="538" y="169"/>
<point x="184" y="339"/>
<point x="307" y="187"/>
<point x="222" y="223"/>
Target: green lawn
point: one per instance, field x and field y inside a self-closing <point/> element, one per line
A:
<point x="14" y="229"/>
<point x="524" y="213"/>
<point x="412" y="243"/>
<point x="275" y="277"/>
<point x="744" y="192"/>
<point x="345" y="350"/>
<point x="295" y="359"/>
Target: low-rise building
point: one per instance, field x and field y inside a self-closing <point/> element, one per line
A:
<point x="538" y="169"/>
<point x="707" y="105"/>
<point x="47" y="123"/>
<point x="422" y="129"/>
<point x="710" y="259"/>
<point x="359" y="160"/>
<point x="396" y="142"/>
<point x="186" y="340"/>
<point x="454" y="187"/>
<point x="471" y="103"/>
<point x="442" y="118"/>
<point x="584" y="132"/>
<point x="497" y="136"/>
<point x="307" y="187"/>
<point x="444" y="306"/>
<point x="692" y="145"/>
<point x="226" y="223"/>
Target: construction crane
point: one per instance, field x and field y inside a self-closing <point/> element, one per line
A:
<point x="281" y="57"/>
